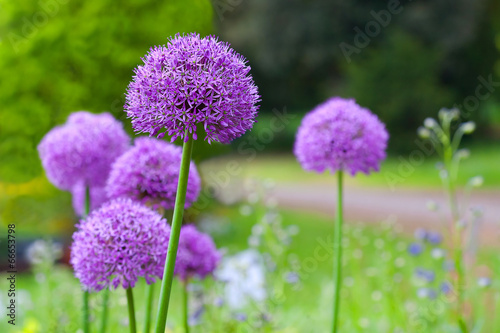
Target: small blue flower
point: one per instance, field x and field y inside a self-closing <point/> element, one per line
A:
<point x="420" y="234"/>
<point x="426" y="293"/>
<point x="434" y="238"/>
<point x="426" y="275"/>
<point x="484" y="282"/>
<point x="446" y="287"/>
<point x="415" y="249"/>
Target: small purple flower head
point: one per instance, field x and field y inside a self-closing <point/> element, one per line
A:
<point x="193" y="81"/>
<point x="82" y="150"/>
<point x="341" y="135"/>
<point x="197" y="254"/>
<point x="149" y="171"/>
<point x="415" y="249"/>
<point x="97" y="197"/>
<point x="117" y="244"/>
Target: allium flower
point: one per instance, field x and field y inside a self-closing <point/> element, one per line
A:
<point x="245" y="278"/>
<point x="197" y="254"/>
<point x="97" y="197"/>
<point x="193" y="81"/>
<point x="149" y="172"/>
<point x="117" y="244"/>
<point x="82" y="150"/>
<point x="341" y="135"/>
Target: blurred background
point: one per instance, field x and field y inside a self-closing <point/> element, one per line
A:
<point x="404" y="60"/>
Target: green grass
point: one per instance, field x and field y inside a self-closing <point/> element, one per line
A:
<point x="400" y="170"/>
<point x="379" y="285"/>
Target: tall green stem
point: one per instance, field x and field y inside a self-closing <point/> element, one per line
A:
<point x="131" y="310"/>
<point x="456" y="231"/>
<point x="86" y="323"/>
<point x="149" y="305"/>
<point x="104" y="314"/>
<point x="185" y="303"/>
<point x="166" y="285"/>
<point x="337" y="256"/>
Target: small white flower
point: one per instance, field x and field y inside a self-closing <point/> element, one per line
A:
<point x="244" y="275"/>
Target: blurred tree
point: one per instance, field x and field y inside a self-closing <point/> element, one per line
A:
<point x="60" y="56"/>
<point x="294" y="47"/>
<point x="398" y="82"/>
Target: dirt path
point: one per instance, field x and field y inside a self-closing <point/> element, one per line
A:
<point x="407" y="206"/>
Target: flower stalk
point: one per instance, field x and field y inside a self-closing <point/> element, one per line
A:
<point x="86" y="322"/>
<point x="173" y="244"/>
<point x="337" y="259"/>
<point x="185" y="303"/>
<point x="131" y="311"/>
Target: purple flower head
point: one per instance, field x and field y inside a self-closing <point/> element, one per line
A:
<point x="193" y="81"/>
<point x="149" y="171"/>
<point x="97" y="197"/>
<point x="197" y="254"/>
<point x="117" y="244"/>
<point x="82" y="150"/>
<point x="415" y="249"/>
<point x="341" y="135"/>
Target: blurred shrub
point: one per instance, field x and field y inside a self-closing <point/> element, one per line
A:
<point x="60" y="56"/>
<point x="399" y="81"/>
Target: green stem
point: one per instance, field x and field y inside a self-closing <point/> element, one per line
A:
<point x="166" y="285"/>
<point x="185" y="304"/>
<point x="456" y="232"/>
<point x="131" y="311"/>
<point x="337" y="256"/>
<point x="86" y="323"/>
<point x="104" y="314"/>
<point x="149" y="305"/>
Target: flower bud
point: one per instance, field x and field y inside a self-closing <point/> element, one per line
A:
<point x="430" y="123"/>
<point x="476" y="181"/>
<point x="424" y="133"/>
<point x="468" y="127"/>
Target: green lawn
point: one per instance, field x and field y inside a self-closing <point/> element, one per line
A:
<point x="484" y="160"/>
<point x="379" y="284"/>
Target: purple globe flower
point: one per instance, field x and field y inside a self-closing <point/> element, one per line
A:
<point x="82" y="150"/>
<point x="341" y="135"/>
<point x="97" y="197"/>
<point x="197" y="254"/>
<point x="149" y="171"/>
<point x="193" y="81"/>
<point x="117" y="244"/>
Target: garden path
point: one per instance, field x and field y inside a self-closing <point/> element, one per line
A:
<point x="408" y="207"/>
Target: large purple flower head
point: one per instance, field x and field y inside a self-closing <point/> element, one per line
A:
<point x="193" y="81"/>
<point x="117" y="244"/>
<point x="149" y="172"/>
<point x="97" y="197"/>
<point x="197" y="254"/>
<point x="341" y="135"/>
<point x="82" y="150"/>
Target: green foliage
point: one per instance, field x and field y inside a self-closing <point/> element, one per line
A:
<point x="60" y="56"/>
<point x="398" y="82"/>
